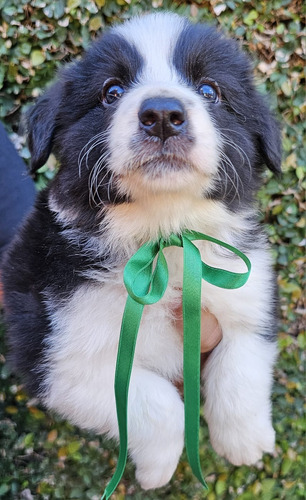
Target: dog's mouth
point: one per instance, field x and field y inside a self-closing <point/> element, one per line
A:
<point x="163" y="164"/>
<point x="157" y="159"/>
<point x="156" y="166"/>
<point x="159" y="173"/>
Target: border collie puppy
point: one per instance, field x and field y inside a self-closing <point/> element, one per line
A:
<point x="157" y="129"/>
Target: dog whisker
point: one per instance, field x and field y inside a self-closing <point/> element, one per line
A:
<point x="243" y="155"/>
<point x="236" y="181"/>
<point x="110" y="182"/>
<point x="82" y="153"/>
<point x="94" y="183"/>
<point x="97" y="140"/>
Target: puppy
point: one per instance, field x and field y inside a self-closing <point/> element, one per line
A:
<point x="157" y="129"/>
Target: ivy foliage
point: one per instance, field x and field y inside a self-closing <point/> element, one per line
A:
<point x="43" y="458"/>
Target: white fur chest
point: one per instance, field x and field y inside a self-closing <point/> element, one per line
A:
<point x="86" y="330"/>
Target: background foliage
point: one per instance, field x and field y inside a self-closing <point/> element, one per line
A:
<point x="44" y="458"/>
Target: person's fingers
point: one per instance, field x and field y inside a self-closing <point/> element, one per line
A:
<point x="211" y="332"/>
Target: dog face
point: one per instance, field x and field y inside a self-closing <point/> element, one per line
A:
<point x="157" y="105"/>
<point x="156" y="137"/>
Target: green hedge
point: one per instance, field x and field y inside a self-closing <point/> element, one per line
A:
<point x="47" y="459"/>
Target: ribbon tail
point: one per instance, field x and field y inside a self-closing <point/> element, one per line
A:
<point x="192" y="353"/>
<point x="126" y="349"/>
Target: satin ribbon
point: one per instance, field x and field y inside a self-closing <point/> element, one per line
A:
<point x="147" y="285"/>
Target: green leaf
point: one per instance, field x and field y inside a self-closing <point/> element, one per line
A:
<point x="267" y="487"/>
<point x="300" y="173"/>
<point x="220" y="487"/>
<point x="73" y="447"/>
<point x="290" y="287"/>
<point x="95" y="23"/>
<point x="2" y="74"/>
<point x="73" y="4"/>
<point x="4" y="488"/>
<point x="59" y="9"/>
<point x="26" y="48"/>
<point x="10" y="11"/>
<point x="37" y="57"/>
<point x="286" y="466"/>
<point x="250" y="18"/>
<point x="28" y="440"/>
<point x="302" y="340"/>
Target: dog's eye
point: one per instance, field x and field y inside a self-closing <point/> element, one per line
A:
<point x="209" y="91"/>
<point x="112" y="92"/>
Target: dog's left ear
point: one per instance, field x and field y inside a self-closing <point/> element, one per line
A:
<point x="269" y="137"/>
<point x="41" y="124"/>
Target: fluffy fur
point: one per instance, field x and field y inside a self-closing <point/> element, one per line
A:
<point x="121" y="183"/>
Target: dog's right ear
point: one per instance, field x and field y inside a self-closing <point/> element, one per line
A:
<point x="41" y="123"/>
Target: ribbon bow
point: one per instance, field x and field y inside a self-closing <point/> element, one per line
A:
<point x="145" y="286"/>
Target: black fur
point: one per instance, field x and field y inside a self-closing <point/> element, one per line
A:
<point x="242" y="116"/>
<point x="41" y="266"/>
<point x="70" y="114"/>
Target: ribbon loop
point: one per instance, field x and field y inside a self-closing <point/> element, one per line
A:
<point x="146" y="284"/>
<point x="143" y="286"/>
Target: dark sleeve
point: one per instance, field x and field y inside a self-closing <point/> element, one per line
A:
<point x="17" y="190"/>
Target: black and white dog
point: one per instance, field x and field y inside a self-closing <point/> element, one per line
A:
<point x="157" y="129"/>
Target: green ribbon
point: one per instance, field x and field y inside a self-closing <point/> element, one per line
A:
<point x="145" y="286"/>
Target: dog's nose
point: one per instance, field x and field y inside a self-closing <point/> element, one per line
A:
<point x="162" y="117"/>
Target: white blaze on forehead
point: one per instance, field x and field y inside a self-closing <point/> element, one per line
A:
<point x="155" y="37"/>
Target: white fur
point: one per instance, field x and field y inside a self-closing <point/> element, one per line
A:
<point x="237" y="377"/>
<point x="164" y="29"/>
<point x="82" y="351"/>
<point x="238" y="380"/>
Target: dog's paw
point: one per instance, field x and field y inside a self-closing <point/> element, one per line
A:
<point x="156" y="458"/>
<point x="156" y="429"/>
<point x="156" y="471"/>
<point x="243" y="444"/>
